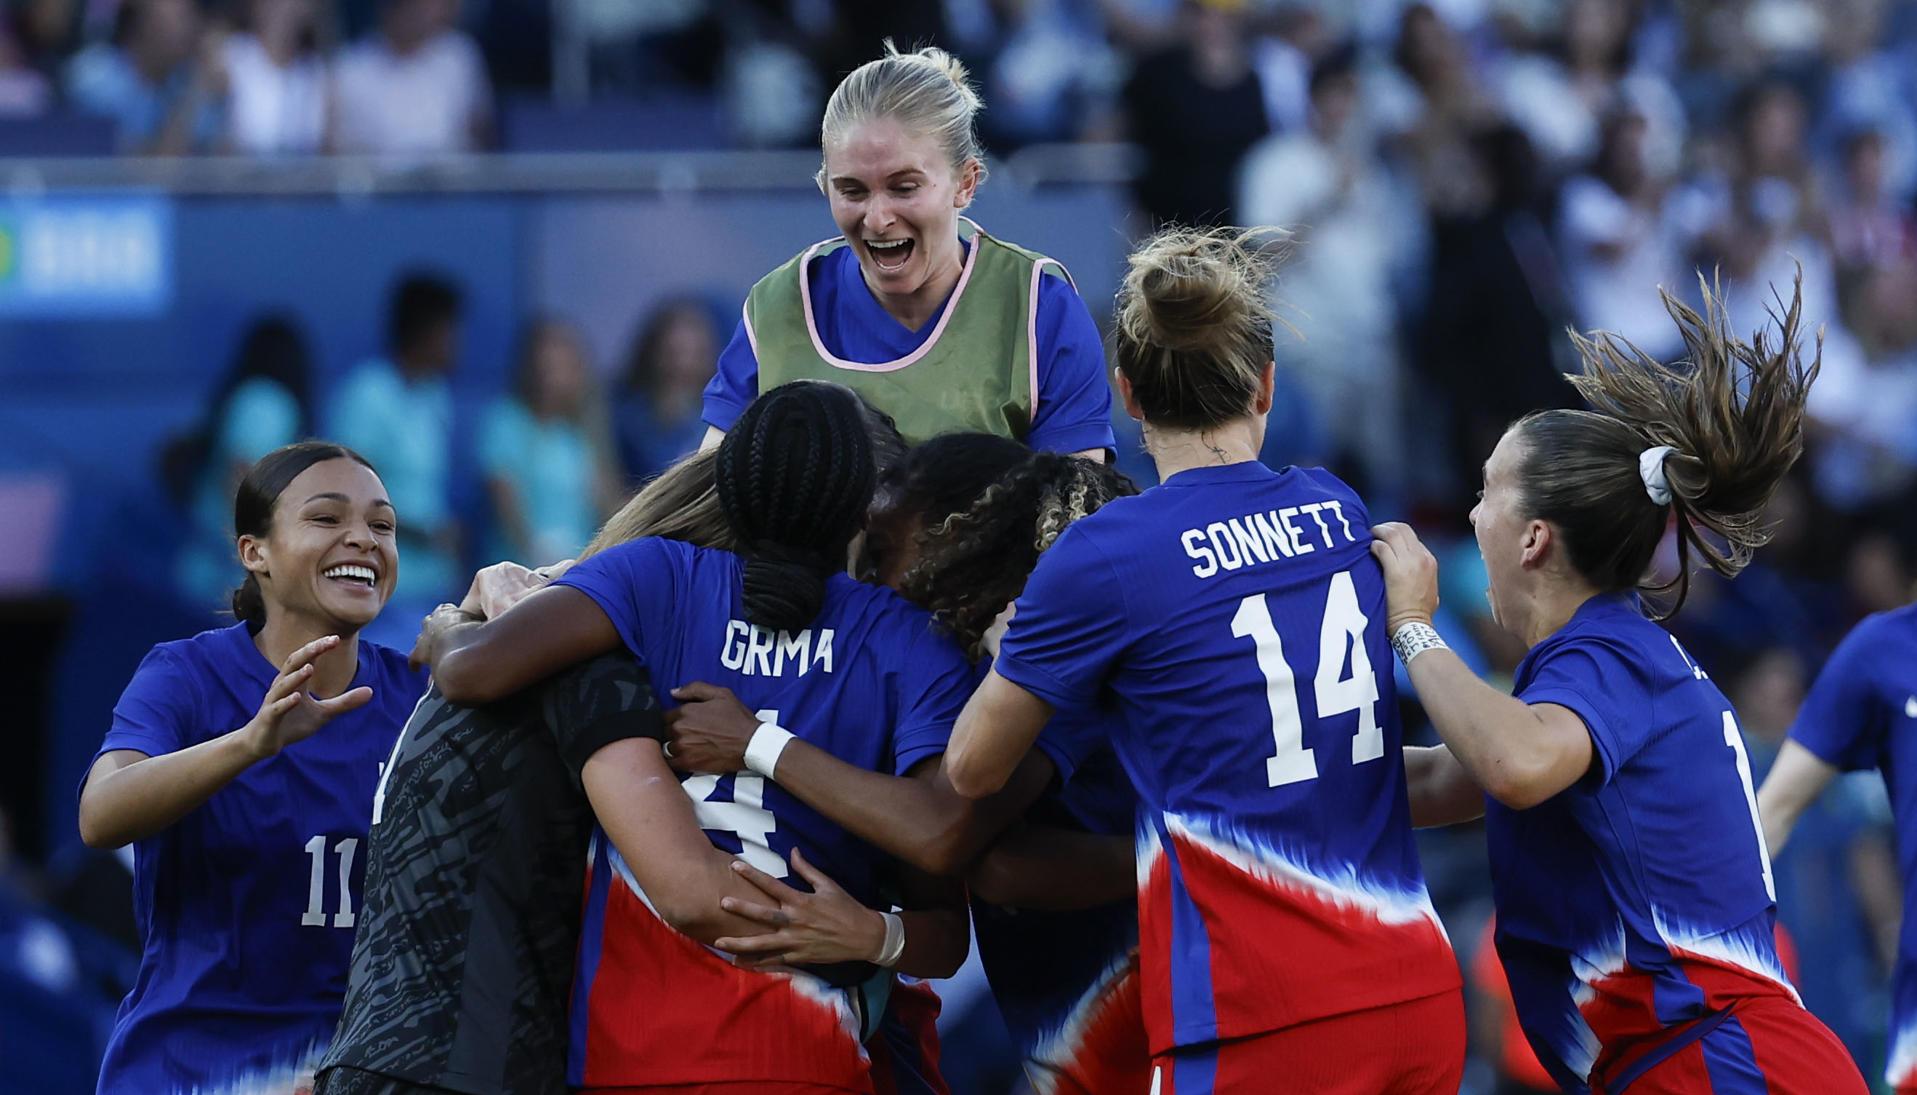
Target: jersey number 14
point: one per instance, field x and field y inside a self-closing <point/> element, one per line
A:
<point x="1341" y="632"/>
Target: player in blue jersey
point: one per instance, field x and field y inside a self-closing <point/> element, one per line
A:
<point x="1634" y="897"/>
<point x="957" y="528"/>
<point x="937" y="322"/>
<point x="1234" y="616"/>
<point x="841" y="664"/>
<point x="1860" y="715"/>
<point x="241" y="765"/>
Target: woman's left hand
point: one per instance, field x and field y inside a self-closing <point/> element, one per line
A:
<point x="818" y="928"/>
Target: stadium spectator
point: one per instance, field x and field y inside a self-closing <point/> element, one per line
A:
<point x="672" y="358"/>
<point x="1490" y="345"/>
<point x="276" y="80"/>
<point x="545" y="453"/>
<point x="261" y="404"/>
<point x="413" y="89"/>
<point x="247" y="821"/>
<point x="398" y="410"/>
<point x="24" y="90"/>
<point x="1354" y="231"/>
<point x="158" y="79"/>
<point x="1621" y="241"/>
<point x="1194" y="107"/>
<point x="1870" y="227"/>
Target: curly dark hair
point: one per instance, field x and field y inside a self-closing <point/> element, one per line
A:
<point x="974" y="561"/>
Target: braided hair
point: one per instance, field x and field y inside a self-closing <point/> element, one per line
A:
<point x="794" y="476"/>
<point x="978" y="547"/>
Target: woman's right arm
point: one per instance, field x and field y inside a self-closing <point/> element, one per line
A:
<point x="918" y="818"/>
<point x="1795" y="781"/>
<point x="649" y="819"/>
<point x="130" y="795"/>
<point x="1046" y="867"/>
<point x="475" y="662"/>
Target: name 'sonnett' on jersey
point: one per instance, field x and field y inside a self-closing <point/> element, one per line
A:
<point x="755" y="652"/>
<point x="1264" y="537"/>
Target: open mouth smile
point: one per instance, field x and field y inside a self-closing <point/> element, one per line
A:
<point x="891" y="255"/>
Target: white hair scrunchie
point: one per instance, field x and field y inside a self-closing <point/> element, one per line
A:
<point x="1650" y="468"/>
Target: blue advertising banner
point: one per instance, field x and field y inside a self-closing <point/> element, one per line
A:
<point x="85" y="257"/>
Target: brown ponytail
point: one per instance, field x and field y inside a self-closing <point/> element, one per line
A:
<point x="1732" y="412"/>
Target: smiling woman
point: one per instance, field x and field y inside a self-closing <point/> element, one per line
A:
<point x="246" y="834"/>
<point x="918" y="309"/>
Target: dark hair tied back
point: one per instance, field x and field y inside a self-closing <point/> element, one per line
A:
<point x="253" y="506"/>
<point x="794" y="477"/>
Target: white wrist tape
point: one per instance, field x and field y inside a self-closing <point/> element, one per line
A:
<point x="1414" y="638"/>
<point x="894" y="945"/>
<point x="768" y="742"/>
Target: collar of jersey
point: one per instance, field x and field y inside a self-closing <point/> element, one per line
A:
<point x="1242" y="472"/>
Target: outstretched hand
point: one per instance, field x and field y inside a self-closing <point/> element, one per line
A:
<point x="710" y="730"/>
<point x="1410" y="573"/>
<point x="290" y="714"/>
<point x="819" y="928"/>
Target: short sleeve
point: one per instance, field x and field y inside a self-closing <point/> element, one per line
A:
<point x="158" y="709"/>
<point x="736" y="382"/>
<point x="1067" y="629"/>
<point x="1072" y="736"/>
<point x="598" y="702"/>
<point x="1605" y="688"/>
<point x="1840" y="720"/>
<point x="1074" y="411"/>
<point x="631" y="583"/>
<point x="503" y="440"/>
<point x="935" y="682"/>
<point x="259" y="417"/>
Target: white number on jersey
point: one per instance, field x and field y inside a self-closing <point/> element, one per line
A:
<point x="744" y="817"/>
<point x="1341" y="632"/>
<point x="315" y="914"/>
<point x="1736" y="741"/>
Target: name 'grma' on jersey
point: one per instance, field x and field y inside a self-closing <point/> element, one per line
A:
<point x="756" y="652"/>
<point x="1263" y="537"/>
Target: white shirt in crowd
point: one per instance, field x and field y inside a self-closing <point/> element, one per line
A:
<point x="273" y="110"/>
<point x="419" y="104"/>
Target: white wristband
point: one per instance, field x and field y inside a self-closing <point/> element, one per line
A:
<point x="1413" y="638"/>
<point x="768" y="742"/>
<point x="894" y="945"/>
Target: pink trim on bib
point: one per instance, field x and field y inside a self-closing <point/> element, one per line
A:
<point x="837" y="362"/>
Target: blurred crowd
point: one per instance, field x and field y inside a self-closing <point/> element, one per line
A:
<point x="1463" y="180"/>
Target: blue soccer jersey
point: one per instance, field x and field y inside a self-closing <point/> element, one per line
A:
<point x="873" y="682"/>
<point x="1640" y="898"/>
<point x="1862" y="713"/>
<point x="246" y="905"/>
<point x="1237" y="616"/>
<point x="1053" y="972"/>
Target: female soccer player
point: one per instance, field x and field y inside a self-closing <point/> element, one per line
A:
<point x="957" y="528"/>
<point x="1634" y="895"/>
<point x="1284" y="927"/>
<point x="1858" y="716"/>
<point x="839" y="663"/>
<point x="939" y="324"/>
<point x="247" y="810"/>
